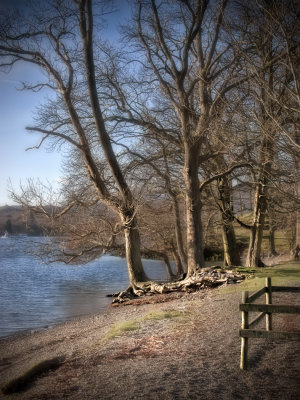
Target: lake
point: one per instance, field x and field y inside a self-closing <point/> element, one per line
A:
<point x="34" y="295"/>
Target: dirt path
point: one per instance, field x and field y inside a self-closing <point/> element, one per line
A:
<point x="187" y="348"/>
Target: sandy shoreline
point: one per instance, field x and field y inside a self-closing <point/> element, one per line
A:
<point x="187" y="348"/>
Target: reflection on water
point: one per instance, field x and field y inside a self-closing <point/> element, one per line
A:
<point x="33" y="295"/>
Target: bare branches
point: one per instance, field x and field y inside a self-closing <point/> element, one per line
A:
<point x="216" y="33"/>
<point x="197" y="97"/>
<point x="222" y="174"/>
<point x="47" y="134"/>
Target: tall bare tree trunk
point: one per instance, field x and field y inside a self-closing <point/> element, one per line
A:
<point x="272" y="230"/>
<point x="297" y="233"/>
<point x="256" y="232"/>
<point x="272" y="247"/>
<point x="296" y="250"/>
<point x="231" y="251"/>
<point x="193" y="213"/>
<point x="186" y="73"/>
<point x="178" y="234"/>
<point x="265" y="83"/>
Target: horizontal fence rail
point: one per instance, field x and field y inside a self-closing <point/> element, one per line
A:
<point x="270" y="308"/>
<point x="260" y="334"/>
<point x="266" y="311"/>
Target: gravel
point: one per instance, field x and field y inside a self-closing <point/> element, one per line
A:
<point x="191" y="354"/>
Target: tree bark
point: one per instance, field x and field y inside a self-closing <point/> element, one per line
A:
<point x="272" y="248"/>
<point x="297" y="244"/>
<point x="297" y="239"/>
<point x="193" y="213"/>
<point x="265" y="78"/>
<point x="256" y="233"/>
<point x="168" y="267"/>
<point x="231" y="252"/>
<point x="133" y="251"/>
<point x="183" y="83"/>
<point x="178" y="234"/>
<point x="179" y="268"/>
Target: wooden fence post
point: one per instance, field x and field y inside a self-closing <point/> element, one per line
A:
<point x="265" y="310"/>
<point x="268" y="301"/>
<point x="244" y="341"/>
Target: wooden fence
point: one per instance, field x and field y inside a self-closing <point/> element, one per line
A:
<point x="265" y="310"/>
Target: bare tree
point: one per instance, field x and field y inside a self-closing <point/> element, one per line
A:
<point x="59" y="39"/>
<point x="202" y="102"/>
<point x="271" y="81"/>
<point x="159" y="159"/>
<point x="188" y="63"/>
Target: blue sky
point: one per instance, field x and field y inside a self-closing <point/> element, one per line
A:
<point x="16" y="112"/>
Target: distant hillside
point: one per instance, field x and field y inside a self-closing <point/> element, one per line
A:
<point x="14" y="220"/>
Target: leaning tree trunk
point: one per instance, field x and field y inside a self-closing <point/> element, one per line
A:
<point x="133" y="251"/>
<point x="126" y="211"/>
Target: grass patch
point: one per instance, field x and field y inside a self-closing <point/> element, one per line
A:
<point x="246" y="270"/>
<point x="281" y="274"/>
<point x="159" y="315"/>
<point x="121" y="328"/>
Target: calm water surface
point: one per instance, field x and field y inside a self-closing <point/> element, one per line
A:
<point x="35" y="295"/>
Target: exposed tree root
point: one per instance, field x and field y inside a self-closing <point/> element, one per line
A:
<point x="205" y="278"/>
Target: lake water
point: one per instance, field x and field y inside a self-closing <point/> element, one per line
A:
<point x="34" y="295"/>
